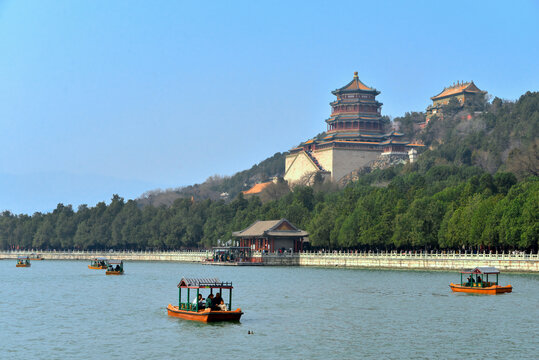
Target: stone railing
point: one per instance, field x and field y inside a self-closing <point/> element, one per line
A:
<point x="183" y="256"/>
<point x="514" y="261"/>
<point x="517" y="255"/>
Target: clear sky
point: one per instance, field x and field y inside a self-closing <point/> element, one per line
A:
<point x="105" y="97"/>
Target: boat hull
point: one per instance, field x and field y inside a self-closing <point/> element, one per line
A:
<point x="491" y="290"/>
<point x="205" y="315"/>
<point x="97" y="267"/>
<point x="114" y="272"/>
<point x="23" y="265"/>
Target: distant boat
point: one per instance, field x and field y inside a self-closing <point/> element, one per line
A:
<point x="23" y="261"/>
<point x="196" y="310"/>
<point x="36" y="257"/>
<point x="115" y="267"/>
<point x="478" y="282"/>
<point x="99" y="263"/>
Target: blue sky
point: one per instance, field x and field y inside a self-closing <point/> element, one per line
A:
<point x="105" y="97"/>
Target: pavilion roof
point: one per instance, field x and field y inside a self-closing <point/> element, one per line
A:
<point x="261" y="228"/>
<point x="458" y="88"/>
<point x="355" y="85"/>
<point x="257" y="188"/>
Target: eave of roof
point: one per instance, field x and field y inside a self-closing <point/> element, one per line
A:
<point x="468" y="87"/>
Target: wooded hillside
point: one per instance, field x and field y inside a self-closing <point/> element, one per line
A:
<point x="477" y="187"/>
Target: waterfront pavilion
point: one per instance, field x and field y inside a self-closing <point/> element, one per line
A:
<point x="272" y="235"/>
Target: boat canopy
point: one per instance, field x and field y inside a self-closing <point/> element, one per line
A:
<point x="481" y="270"/>
<point x="210" y="283"/>
<point x="115" y="262"/>
<point x="100" y="258"/>
<point x="22" y="257"/>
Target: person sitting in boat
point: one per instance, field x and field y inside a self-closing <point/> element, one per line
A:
<point x="479" y="279"/>
<point x="209" y="301"/>
<point x="216" y="301"/>
<point x="469" y="280"/>
<point x="222" y="305"/>
<point x="200" y="301"/>
<point x="117" y="268"/>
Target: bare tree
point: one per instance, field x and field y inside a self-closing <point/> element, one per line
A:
<point x="525" y="162"/>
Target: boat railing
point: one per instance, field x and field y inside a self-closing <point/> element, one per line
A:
<point x="189" y="306"/>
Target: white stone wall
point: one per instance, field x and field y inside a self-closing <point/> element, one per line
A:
<point x="345" y="161"/>
<point x="325" y="158"/>
<point x="451" y="262"/>
<point x="339" y="162"/>
<point x="297" y="165"/>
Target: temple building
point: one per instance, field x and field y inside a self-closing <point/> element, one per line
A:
<point x="355" y="136"/>
<point x="272" y="236"/>
<point x="463" y="92"/>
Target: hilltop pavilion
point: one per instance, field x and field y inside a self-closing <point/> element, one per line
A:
<point x="463" y="92"/>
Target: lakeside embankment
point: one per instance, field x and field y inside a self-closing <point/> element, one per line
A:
<point x="517" y="262"/>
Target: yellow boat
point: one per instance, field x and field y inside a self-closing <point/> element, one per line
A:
<point x="475" y="284"/>
<point x="99" y="263"/>
<point x="196" y="310"/>
<point x="23" y="261"/>
<point x="115" y="267"/>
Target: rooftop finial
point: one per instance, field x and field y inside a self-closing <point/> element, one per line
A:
<point x="355" y="74"/>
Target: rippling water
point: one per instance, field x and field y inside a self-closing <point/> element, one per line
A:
<point x="61" y="309"/>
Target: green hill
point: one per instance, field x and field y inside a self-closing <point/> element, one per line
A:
<point x="216" y="185"/>
<point x="475" y="187"/>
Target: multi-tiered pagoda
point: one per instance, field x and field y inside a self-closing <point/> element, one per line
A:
<point x="356" y="135"/>
<point x="356" y="109"/>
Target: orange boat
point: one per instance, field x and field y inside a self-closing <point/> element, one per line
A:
<point x="197" y="310"/>
<point x="99" y="263"/>
<point x="23" y="261"/>
<point x="115" y="267"/>
<point x="36" y="257"/>
<point x="475" y="284"/>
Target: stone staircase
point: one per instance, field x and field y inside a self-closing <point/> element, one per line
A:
<point x="315" y="161"/>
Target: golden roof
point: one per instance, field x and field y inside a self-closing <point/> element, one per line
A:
<point x="257" y="188"/>
<point x="356" y="84"/>
<point x="458" y="88"/>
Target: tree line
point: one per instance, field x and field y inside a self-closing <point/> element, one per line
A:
<point x="446" y="207"/>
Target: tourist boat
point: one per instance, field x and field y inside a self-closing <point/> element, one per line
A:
<point x="193" y="310"/>
<point x="478" y="282"/>
<point x="23" y="261"/>
<point x="36" y="257"/>
<point x="115" y="267"/>
<point x="99" y="263"/>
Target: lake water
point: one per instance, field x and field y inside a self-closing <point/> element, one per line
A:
<point x="63" y="310"/>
